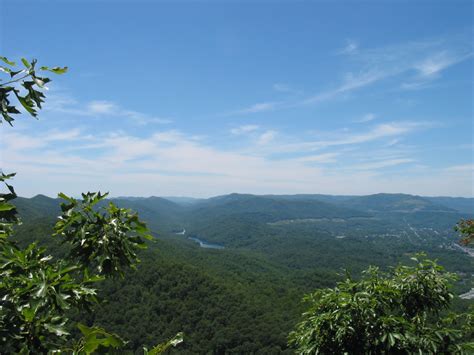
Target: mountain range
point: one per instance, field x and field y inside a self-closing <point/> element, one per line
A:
<point x="230" y="271"/>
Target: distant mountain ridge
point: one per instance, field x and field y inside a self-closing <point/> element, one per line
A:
<point x="461" y="204"/>
<point x="297" y="206"/>
<point x="39" y="206"/>
<point x="183" y="200"/>
<point x="395" y="203"/>
<point x="270" y="209"/>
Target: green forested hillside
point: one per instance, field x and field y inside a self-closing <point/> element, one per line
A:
<point x="39" y="206"/>
<point x="269" y="208"/>
<point x="394" y="203"/>
<point x="246" y="297"/>
<point x="161" y="214"/>
<point x="460" y="204"/>
<point x="217" y="313"/>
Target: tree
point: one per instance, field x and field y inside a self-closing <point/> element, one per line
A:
<point x="36" y="291"/>
<point x="465" y="227"/>
<point x="385" y="313"/>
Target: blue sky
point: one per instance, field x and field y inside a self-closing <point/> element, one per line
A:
<point x="205" y="98"/>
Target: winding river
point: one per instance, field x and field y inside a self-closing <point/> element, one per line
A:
<point x="202" y="243"/>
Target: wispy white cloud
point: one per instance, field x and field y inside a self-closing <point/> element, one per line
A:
<point x="172" y="162"/>
<point x="392" y="142"/>
<point x="416" y="84"/>
<point x="244" y="129"/>
<point x="381" y="131"/>
<point x="319" y="158"/>
<point x="286" y="89"/>
<point x="256" y="108"/>
<point x="461" y="168"/>
<point x="266" y="137"/>
<point x="281" y="87"/>
<point x="351" y="82"/>
<point x="143" y="119"/>
<point x="382" y="134"/>
<point x="366" y="118"/>
<point x="439" y="61"/>
<point x="382" y="164"/>
<point x="99" y="108"/>
<point x="58" y="135"/>
<point x="350" y="47"/>
<point x="427" y="58"/>
<point x="22" y="142"/>
<point x="430" y="67"/>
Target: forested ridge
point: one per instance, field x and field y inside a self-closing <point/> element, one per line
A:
<point x="247" y="296"/>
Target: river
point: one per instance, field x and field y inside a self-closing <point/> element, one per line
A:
<point x="204" y="244"/>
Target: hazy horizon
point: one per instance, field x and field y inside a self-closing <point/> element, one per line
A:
<point x="253" y="194"/>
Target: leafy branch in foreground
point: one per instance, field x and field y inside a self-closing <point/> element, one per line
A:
<point x="8" y="213"/>
<point x="103" y="238"/>
<point x="25" y="84"/>
<point x="397" y="312"/>
<point x="36" y="291"/>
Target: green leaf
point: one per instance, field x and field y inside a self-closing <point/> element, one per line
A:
<point x="5" y="60"/>
<point x="26" y="63"/>
<point x="140" y="227"/>
<point x="65" y="197"/>
<point x="26" y="104"/>
<point x="6" y="207"/>
<point x="56" y="70"/>
<point x="161" y="348"/>
<point x="95" y="337"/>
<point x="42" y="290"/>
<point x="56" y="329"/>
<point x="468" y="346"/>
<point x="85" y="330"/>
<point x="28" y="313"/>
<point x="5" y="69"/>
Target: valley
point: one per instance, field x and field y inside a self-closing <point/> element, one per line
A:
<point x="230" y="270"/>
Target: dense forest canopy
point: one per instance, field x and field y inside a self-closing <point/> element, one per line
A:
<point x="232" y="299"/>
